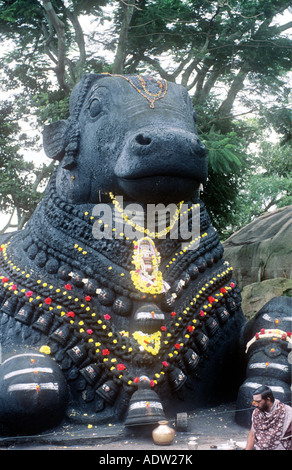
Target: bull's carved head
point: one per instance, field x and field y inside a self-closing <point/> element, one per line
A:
<point x="128" y="135"/>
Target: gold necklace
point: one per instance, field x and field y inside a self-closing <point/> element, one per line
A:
<point x="142" y="229"/>
<point x="155" y="95"/>
<point x="151" y="97"/>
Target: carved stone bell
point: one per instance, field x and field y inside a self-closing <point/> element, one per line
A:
<point x="145" y="406"/>
<point x="148" y="318"/>
<point x="177" y="378"/>
<point x="191" y="360"/>
<point x="108" y="391"/>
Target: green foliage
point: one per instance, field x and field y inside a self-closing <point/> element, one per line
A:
<point x="227" y="168"/>
<point x="280" y="119"/>
<point x="267" y="185"/>
<point x="222" y="152"/>
<point x="51" y="106"/>
<point x="17" y="176"/>
<point x="230" y="54"/>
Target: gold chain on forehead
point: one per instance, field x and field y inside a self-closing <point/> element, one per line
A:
<point x="151" y="97"/>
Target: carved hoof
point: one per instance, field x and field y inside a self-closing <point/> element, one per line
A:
<point x="267" y="340"/>
<point x="244" y="408"/>
<point x="33" y="393"/>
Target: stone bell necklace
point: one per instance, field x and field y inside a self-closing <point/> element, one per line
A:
<point x="108" y="345"/>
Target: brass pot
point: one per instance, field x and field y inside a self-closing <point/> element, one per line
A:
<point x="163" y="435"/>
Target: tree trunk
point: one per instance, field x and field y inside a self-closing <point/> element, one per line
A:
<point x="237" y="85"/>
<point x="79" y="37"/>
<point x="59" y="27"/>
<point x="128" y="9"/>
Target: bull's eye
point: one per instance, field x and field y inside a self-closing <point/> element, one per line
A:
<point x="94" y="107"/>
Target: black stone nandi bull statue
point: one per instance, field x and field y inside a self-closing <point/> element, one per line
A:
<point x="135" y="324"/>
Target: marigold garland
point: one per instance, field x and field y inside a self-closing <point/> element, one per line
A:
<point x="151" y="343"/>
<point x="155" y="344"/>
<point x="140" y="229"/>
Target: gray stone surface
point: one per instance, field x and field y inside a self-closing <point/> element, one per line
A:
<point x="254" y="296"/>
<point x="212" y="428"/>
<point x="263" y="249"/>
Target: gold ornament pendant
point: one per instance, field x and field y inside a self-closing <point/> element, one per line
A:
<point x="147" y="278"/>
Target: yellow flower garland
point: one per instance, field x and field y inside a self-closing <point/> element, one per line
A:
<point x="151" y="343"/>
<point x="140" y="229"/>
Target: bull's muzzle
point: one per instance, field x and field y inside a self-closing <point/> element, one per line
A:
<point x="161" y="162"/>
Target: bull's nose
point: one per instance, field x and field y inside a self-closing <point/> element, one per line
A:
<point x="142" y="139"/>
<point x="166" y="143"/>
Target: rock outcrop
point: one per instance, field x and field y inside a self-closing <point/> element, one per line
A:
<point x="262" y="250"/>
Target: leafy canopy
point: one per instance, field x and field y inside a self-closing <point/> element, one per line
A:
<point x="232" y="55"/>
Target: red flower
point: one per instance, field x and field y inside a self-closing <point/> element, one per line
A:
<point x="152" y="383"/>
<point x="165" y="364"/>
<point x="223" y="290"/>
<point x="289" y="334"/>
<point x="163" y="328"/>
<point x="48" y="301"/>
<point x="177" y="346"/>
<point x="28" y="293"/>
<point x="105" y="352"/>
<point x="211" y="299"/>
<point x="68" y="287"/>
<point x="262" y="331"/>
<point x="136" y="380"/>
<point x="5" y="279"/>
<point x="89" y="332"/>
<point x="107" y="317"/>
<point x="190" y="328"/>
<point x="70" y="314"/>
<point x="88" y="298"/>
<point x="202" y="313"/>
<point x="232" y="284"/>
<point x="257" y="336"/>
<point x="14" y="287"/>
<point x="173" y="314"/>
<point x="121" y="367"/>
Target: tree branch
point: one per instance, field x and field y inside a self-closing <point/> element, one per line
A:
<point x="284" y="27"/>
<point x="155" y="63"/>
<point x="79" y="36"/>
<point x="235" y="88"/>
<point x="9" y="224"/>
<point x="120" y="57"/>
<point x="59" y="27"/>
<point x="238" y="82"/>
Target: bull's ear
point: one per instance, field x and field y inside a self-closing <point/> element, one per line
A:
<point x="55" y="139"/>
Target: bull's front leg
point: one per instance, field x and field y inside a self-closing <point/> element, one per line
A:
<point x="33" y="393"/>
<point x="267" y="342"/>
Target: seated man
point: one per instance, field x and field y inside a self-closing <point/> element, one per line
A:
<point x="271" y="423"/>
